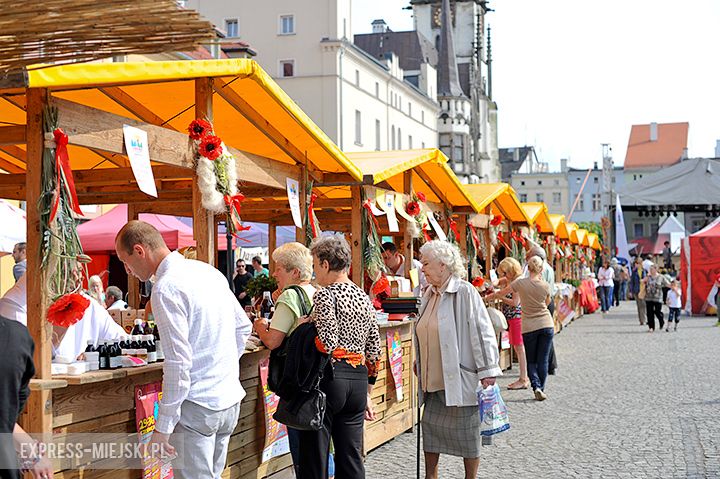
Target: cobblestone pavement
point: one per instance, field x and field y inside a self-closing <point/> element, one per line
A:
<point x="624" y="404"/>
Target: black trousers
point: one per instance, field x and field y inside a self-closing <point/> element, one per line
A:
<point x="552" y="363"/>
<point x="654" y="308"/>
<point x="344" y="419"/>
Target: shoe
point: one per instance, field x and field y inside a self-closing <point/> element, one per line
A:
<point x="651" y="330"/>
<point x="667" y="330"/>
<point x="517" y="385"/>
<point x="540" y="395"/>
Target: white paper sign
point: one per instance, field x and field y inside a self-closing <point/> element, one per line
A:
<point x="293" y="192"/>
<point x="436" y="226"/>
<point x="371" y="196"/>
<point x="136" y="145"/>
<point x="389" y="208"/>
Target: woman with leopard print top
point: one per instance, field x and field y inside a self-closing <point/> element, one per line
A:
<point x="348" y="331"/>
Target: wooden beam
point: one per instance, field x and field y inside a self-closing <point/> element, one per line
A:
<point x="40" y="402"/>
<point x="105" y="176"/>
<point x="9" y="166"/>
<point x="94" y="198"/>
<point x="358" y="269"/>
<point x="160" y="207"/>
<point x="439" y="194"/>
<point x="203" y="220"/>
<point x="12" y="135"/>
<point x="272" y="243"/>
<point x="303" y="200"/>
<point x="122" y="98"/>
<point x="133" y="213"/>
<point x="462" y="230"/>
<point x="264" y="126"/>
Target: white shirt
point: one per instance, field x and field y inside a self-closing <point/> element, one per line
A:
<point x="119" y="304"/>
<point x="420" y="288"/>
<point x="647" y="264"/>
<point x="96" y="325"/>
<point x="203" y="330"/>
<point x="13" y="305"/>
<point x="674" y="300"/>
<point x="605" y="276"/>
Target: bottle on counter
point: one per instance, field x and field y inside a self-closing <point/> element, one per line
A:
<point x="135" y="341"/>
<point x="141" y="352"/>
<point x="160" y="356"/>
<point x="114" y="354"/>
<point x="104" y="356"/>
<point x="267" y="307"/>
<point x="92" y="356"/>
<point x="149" y="345"/>
<point x="138" y="328"/>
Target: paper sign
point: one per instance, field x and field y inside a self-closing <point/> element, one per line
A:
<point x="436" y="226"/>
<point x="276" y="438"/>
<point x="400" y="208"/>
<point x="389" y="207"/>
<point x="504" y="340"/>
<point x="371" y="196"/>
<point x="395" y="350"/>
<point x="147" y="400"/>
<point x="136" y="146"/>
<point x="414" y="278"/>
<point x="565" y="312"/>
<point x="293" y="189"/>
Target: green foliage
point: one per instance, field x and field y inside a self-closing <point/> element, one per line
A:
<point x="592" y="228"/>
<point x="371" y="245"/>
<point x="259" y="284"/>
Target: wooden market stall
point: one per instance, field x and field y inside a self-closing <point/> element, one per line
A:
<point x="271" y="140"/>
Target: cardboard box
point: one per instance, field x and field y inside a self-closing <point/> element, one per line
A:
<point x="116" y="315"/>
<point x="128" y="319"/>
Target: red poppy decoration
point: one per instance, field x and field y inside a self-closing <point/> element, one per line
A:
<point x="382" y="285"/>
<point x="211" y="147"/>
<point x="198" y="129"/>
<point x="413" y="208"/>
<point x="67" y="310"/>
<point x="478" y="281"/>
<point x="421" y="196"/>
<point x="497" y="219"/>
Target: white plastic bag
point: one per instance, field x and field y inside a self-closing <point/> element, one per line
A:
<point x="493" y="413"/>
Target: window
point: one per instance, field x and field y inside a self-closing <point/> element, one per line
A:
<point x="539" y="182"/>
<point x="399" y="139"/>
<point x="357" y="78"/>
<point x="458" y="147"/>
<point x="638" y="230"/>
<point x="231" y="28"/>
<point x="393" y="137"/>
<point x="287" y="24"/>
<point x="634" y="177"/>
<point x="557" y="198"/>
<point x="287" y="68"/>
<point x="556" y="182"/>
<point x="539" y="197"/>
<point x="596" y="202"/>
<point x="522" y="183"/>
<point x="358" y="127"/>
<point x="445" y="143"/>
<point x="596" y="180"/>
<point x="377" y="135"/>
<point x="377" y="90"/>
<point x="523" y="197"/>
<point x="422" y="145"/>
<point x="581" y="204"/>
<point x="422" y="116"/>
<point x="410" y="142"/>
<point x="409" y="109"/>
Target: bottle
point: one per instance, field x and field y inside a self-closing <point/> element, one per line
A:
<point x="267" y="307"/>
<point x="104" y="357"/>
<point x="135" y="341"/>
<point x="92" y="356"/>
<point x="138" y="327"/>
<point x="141" y="351"/>
<point x="152" y="352"/>
<point x="114" y="354"/>
<point x="160" y="356"/>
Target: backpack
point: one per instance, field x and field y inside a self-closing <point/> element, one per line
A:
<point x="276" y="367"/>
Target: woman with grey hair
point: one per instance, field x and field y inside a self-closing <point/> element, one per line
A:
<point x="456" y="351"/>
<point x="348" y="332"/>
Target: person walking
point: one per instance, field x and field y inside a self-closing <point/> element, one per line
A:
<point x="654" y="283"/>
<point x="537" y="324"/>
<point x="456" y="350"/>
<point x="293" y="272"/>
<point x="348" y="332"/>
<point x="605" y="278"/>
<point x="509" y="270"/>
<point x="624" y="280"/>
<point x="637" y="288"/>
<point x="674" y="302"/>
<point x="617" y="272"/>
<point x="204" y="331"/>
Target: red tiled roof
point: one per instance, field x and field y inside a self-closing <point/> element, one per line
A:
<point x="665" y="151"/>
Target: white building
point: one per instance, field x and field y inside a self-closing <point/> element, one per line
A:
<point x="549" y="188"/>
<point x="360" y="102"/>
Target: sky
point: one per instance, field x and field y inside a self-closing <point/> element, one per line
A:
<point x="569" y="75"/>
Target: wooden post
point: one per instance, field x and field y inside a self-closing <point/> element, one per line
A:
<point x="488" y="254"/>
<point x="133" y="282"/>
<point x="203" y="220"/>
<point x="272" y="243"/>
<point x="462" y="231"/>
<point x="356" y="237"/>
<point x="407" y="237"/>
<point x="40" y="402"/>
<point x="302" y="195"/>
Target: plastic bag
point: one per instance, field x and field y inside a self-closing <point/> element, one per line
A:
<point x="493" y="412"/>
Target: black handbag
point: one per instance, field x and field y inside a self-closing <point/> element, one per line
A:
<point x="304" y="411"/>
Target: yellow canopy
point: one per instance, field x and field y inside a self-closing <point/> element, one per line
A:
<point x="538" y="214"/>
<point x="251" y="112"/>
<point x="594" y="241"/>
<point x="501" y="198"/>
<point x="556" y="221"/>
<point x="431" y="174"/>
<point x="581" y="236"/>
<point x="567" y="231"/>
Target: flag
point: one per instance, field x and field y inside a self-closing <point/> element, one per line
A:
<point x="621" y="243"/>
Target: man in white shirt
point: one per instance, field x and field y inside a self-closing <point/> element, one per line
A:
<point x="204" y="330"/>
<point x="113" y="298"/>
<point x="396" y="262"/>
<point x="13" y="305"/>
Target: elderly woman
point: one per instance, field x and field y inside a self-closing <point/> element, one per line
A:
<point x="456" y="351"/>
<point x="537" y="323"/>
<point x="654" y="283"/>
<point x="509" y="270"/>
<point x="293" y="267"/>
<point x="96" y="290"/>
<point x="348" y="332"/>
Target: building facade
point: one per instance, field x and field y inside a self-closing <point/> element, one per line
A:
<point x="589" y="206"/>
<point x="549" y="188"/>
<point x="362" y="103"/>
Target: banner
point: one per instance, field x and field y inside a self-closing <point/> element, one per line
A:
<point x="394" y="354"/>
<point x="276" y="438"/>
<point x="565" y="312"/>
<point x="293" y="192"/>
<point x="147" y="403"/>
<point x="138" y="152"/>
<point x="620" y="234"/>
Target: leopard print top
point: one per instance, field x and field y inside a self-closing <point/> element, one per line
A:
<point x="347" y="327"/>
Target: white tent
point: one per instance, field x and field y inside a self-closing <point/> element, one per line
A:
<point x="14" y="227"/>
<point x="672" y="226"/>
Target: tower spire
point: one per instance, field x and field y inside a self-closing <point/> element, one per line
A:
<point x="448" y="83"/>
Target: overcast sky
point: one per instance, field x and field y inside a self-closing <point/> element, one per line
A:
<point x="569" y="75"/>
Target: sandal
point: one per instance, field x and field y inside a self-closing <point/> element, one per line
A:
<point x="517" y="385"/>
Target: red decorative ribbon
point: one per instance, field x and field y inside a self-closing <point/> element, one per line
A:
<point x="501" y="240"/>
<point x="426" y="235"/>
<point x="234" y="204"/>
<point x="453" y="227"/>
<point x="311" y="215"/>
<point x="476" y="240"/>
<point x="367" y="206"/>
<point x="64" y="175"/>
